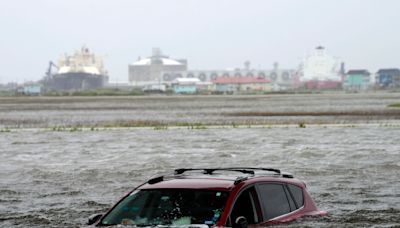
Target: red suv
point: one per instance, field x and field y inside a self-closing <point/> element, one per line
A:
<point x="223" y="197"/>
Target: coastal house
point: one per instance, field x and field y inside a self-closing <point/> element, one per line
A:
<point x="356" y="80"/>
<point x="241" y="84"/>
<point x="204" y="87"/>
<point x="185" y="85"/>
<point x="388" y="78"/>
<point x="30" y="89"/>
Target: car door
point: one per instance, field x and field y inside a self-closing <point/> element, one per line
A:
<point x="246" y="205"/>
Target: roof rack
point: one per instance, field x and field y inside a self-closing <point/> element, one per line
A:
<point x="155" y="179"/>
<point x="239" y="179"/>
<point x="245" y="170"/>
<point x="210" y="171"/>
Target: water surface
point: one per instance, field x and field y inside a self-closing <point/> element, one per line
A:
<point x="51" y="178"/>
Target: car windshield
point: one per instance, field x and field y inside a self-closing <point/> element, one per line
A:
<point x="173" y="207"/>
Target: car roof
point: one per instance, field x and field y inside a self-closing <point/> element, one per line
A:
<point x="192" y="183"/>
<point x="217" y="179"/>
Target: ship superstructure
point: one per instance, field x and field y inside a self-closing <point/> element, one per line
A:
<point x="81" y="71"/>
<point x="320" y="71"/>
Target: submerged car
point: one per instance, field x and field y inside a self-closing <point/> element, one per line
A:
<point x="221" y="197"/>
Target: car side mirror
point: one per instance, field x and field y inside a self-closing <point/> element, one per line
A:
<point x="94" y="218"/>
<point x="241" y="222"/>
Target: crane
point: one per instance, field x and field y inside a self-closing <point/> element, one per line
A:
<point x="49" y="72"/>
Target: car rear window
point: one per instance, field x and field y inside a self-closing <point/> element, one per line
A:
<point x="297" y="194"/>
<point x="274" y="200"/>
<point x="292" y="204"/>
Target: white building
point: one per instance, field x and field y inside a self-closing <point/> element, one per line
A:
<point x="150" y="70"/>
<point x="320" y="66"/>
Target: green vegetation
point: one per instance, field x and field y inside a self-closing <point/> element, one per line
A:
<point x="74" y="129"/>
<point x="58" y="128"/>
<point x="198" y="126"/>
<point x="7" y="93"/>
<point x="131" y="123"/>
<point x="302" y="125"/>
<point x="65" y="128"/>
<point x="98" y="92"/>
<point x="190" y="125"/>
<point x="5" y="130"/>
<point x="156" y="125"/>
<point x="182" y="125"/>
<point x="395" y="105"/>
<point x="161" y="127"/>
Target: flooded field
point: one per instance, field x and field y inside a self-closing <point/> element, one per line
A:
<point x="50" y="112"/>
<point x="346" y="147"/>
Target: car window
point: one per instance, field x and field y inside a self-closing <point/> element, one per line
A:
<point x="245" y="205"/>
<point x="173" y="207"/>
<point x="273" y="200"/>
<point x="292" y="204"/>
<point x="297" y="194"/>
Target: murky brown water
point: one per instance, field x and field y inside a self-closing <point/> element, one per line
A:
<point x="58" y="178"/>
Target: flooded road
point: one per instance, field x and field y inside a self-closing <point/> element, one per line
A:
<point x="51" y="177"/>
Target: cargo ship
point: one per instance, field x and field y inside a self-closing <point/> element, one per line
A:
<point x="81" y="71"/>
<point x="320" y="71"/>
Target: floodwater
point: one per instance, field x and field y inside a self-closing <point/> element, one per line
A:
<point x="53" y="178"/>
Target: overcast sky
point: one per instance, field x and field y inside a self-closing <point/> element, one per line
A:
<point x="211" y="34"/>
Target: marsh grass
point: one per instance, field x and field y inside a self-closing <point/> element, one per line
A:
<point x="394" y="105"/>
<point x="76" y="128"/>
<point x="302" y="125"/>
<point x="5" y="130"/>
<point x="161" y="127"/>
<point x="156" y="125"/>
<point x="98" y="92"/>
<point x="318" y="113"/>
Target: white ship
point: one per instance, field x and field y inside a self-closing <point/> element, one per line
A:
<point x="81" y="71"/>
<point x="320" y="71"/>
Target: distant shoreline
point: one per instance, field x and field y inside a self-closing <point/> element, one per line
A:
<point x="139" y="93"/>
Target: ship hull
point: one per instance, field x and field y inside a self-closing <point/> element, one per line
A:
<point x="319" y="85"/>
<point x="76" y="81"/>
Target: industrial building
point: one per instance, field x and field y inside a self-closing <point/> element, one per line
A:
<point x="160" y="69"/>
<point x="281" y="78"/>
<point x="151" y="70"/>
